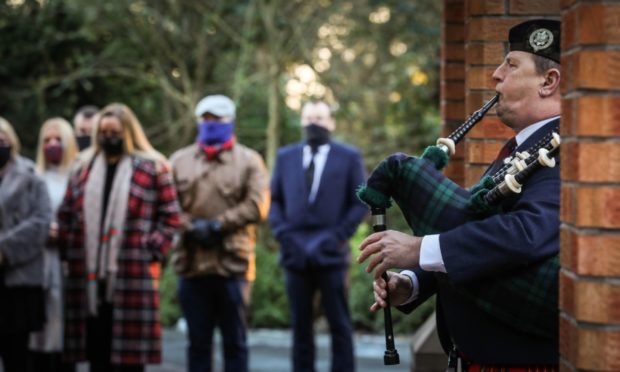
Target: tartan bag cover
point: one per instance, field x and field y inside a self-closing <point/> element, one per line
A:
<point x="431" y="203"/>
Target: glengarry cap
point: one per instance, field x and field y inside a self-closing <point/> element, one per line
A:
<point x="538" y="36"/>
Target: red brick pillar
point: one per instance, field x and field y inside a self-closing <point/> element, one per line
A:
<point x="590" y="212"/>
<point x="453" y="80"/>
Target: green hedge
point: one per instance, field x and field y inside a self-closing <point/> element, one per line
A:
<point x="269" y="306"/>
<point x="170" y="308"/>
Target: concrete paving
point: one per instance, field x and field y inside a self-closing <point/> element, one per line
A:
<point x="270" y="352"/>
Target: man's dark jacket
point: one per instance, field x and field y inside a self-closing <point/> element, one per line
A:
<point x="316" y="234"/>
<point x="477" y="253"/>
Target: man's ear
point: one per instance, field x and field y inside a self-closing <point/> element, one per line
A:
<point x="331" y="124"/>
<point x="551" y="83"/>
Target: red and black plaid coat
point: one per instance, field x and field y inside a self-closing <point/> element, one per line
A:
<point x="152" y="220"/>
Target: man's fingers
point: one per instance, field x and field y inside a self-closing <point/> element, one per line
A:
<point x="392" y="286"/>
<point x="369" y="250"/>
<point x="376" y="307"/>
<point x="380" y="269"/>
<point x="374" y="262"/>
<point x="379" y="302"/>
<point x="379" y="292"/>
<point x="363" y="256"/>
<point x="370" y="239"/>
<point x="368" y="246"/>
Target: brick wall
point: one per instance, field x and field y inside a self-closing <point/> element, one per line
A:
<point x="590" y="212"/>
<point x="453" y="80"/>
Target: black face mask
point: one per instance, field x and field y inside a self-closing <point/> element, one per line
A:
<point x="5" y="155"/>
<point x="83" y="142"/>
<point x="316" y="135"/>
<point x="112" y="146"/>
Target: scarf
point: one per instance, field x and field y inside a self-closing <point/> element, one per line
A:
<point x="103" y="244"/>
<point x="213" y="150"/>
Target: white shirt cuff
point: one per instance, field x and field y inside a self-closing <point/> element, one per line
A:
<point x="430" y="254"/>
<point x="415" y="285"/>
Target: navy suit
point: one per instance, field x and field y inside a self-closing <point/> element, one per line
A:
<point x="477" y="252"/>
<point x="314" y="244"/>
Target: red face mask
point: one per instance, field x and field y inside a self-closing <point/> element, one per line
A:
<point x="53" y="153"/>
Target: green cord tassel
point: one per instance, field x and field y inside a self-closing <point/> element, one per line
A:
<point x="437" y="156"/>
<point x="372" y="197"/>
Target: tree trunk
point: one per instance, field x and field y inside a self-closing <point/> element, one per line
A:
<point x="273" y="124"/>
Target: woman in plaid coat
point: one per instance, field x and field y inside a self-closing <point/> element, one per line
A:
<point x="116" y="224"/>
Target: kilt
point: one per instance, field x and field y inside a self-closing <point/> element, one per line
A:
<point x="469" y="366"/>
<point x="494" y="368"/>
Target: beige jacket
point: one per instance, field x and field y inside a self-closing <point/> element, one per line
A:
<point x="234" y="189"/>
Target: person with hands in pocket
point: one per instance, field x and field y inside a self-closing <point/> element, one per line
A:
<point x="223" y="189"/>
<point x="314" y="213"/>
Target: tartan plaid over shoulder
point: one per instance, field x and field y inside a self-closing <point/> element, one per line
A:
<point x="431" y="203"/>
<point x="151" y="222"/>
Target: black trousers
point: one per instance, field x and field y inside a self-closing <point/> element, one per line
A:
<point x="99" y="343"/>
<point x="50" y="362"/>
<point x="14" y="352"/>
<point x="22" y="311"/>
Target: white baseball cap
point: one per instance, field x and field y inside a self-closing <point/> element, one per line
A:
<point x="216" y="104"/>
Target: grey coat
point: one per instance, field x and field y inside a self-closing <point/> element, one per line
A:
<point x="25" y="216"/>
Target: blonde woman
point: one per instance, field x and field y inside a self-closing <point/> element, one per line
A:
<point x="25" y="216"/>
<point x="116" y="223"/>
<point x="56" y="151"/>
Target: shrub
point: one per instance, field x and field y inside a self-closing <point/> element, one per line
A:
<point x="170" y="309"/>
<point x="269" y="305"/>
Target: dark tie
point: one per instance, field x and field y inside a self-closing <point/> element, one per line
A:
<point x="310" y="171"/>
<point x="506" y="150"/>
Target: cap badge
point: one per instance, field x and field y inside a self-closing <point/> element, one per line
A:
<point x="541" y="39"/>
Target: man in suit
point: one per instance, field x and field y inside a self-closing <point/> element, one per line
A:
<point x="477" y="254"/>
<point x="314" y="211"/>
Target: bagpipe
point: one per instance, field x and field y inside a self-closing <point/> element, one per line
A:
<point x="431" y="204"/>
